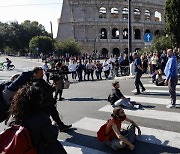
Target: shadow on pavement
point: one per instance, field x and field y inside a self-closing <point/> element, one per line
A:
<point x="86" y="99"/>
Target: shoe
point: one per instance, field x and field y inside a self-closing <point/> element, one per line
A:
<point x="170" y="106"/>
<point x="143" y="90"/>
<point x="137" y="93"/>
<point x="60" y="99"/>
<point x="64" y="127"/>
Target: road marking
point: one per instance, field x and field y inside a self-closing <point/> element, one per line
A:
<point x="149" y="135"/>
<point x="153" y="114"/>
<point x="154" y="86"/>
<point x="78" y="149"/>
<point x="157" y="92"/>
<point x="161" y="101"/>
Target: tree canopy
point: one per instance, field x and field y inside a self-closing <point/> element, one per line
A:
<point x="41" y="44"/>
<point x="172" y="20"/>
<point x="17" y="36"/>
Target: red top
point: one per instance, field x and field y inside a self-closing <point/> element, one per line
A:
<point x="117" y="122"/>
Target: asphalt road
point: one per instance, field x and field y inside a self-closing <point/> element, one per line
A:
<point x="85" y="106"/>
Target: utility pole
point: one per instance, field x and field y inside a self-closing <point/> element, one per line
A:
<point x="129" y="31"/>
<point x="52" y="37"/>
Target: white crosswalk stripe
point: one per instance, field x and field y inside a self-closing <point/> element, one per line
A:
<point x="153" y="114"/>
<point x="156" y="91"/>
<point x="154" y="86"/>
<point x="149" y="100"/>
<point x="77" y="149"/>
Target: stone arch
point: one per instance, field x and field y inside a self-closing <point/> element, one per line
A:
<point x="158" y="16"/>
<point x="114" y="12"/>
<point x="147" y="15"/>
<point x="147" y="31"/>
<point x="157" y="33"/>
<point x="137" y="34"/>
<point x="78" y="13"/>
<point x="125" y="33"/>
<point x="115" y="33"/>
<point x="125" y="13"/>
<point x="104" y="52"/>
<point x="137" y="14"/>
<point x="102" y="12"/>
<point x="89" y="12"/>
<point x="116" y="52"/>
<point x="103" y="33"/>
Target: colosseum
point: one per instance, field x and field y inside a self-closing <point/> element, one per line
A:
<point x="102" y="25"/>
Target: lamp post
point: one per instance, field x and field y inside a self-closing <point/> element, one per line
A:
<point x="52" y="36"/>
<point x="130" y="32"/>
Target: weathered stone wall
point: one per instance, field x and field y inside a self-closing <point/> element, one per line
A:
<point x="103" y="24"/>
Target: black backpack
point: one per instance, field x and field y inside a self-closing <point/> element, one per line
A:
<point x="111" y="98"/>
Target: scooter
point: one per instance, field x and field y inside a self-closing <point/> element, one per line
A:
<point x="11" y="66"/>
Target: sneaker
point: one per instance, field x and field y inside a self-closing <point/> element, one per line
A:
<point x="64" y="127"/>
<point x="143" y="90"/>
<point x="170" y="106"/>
<point x="137" y="93"/>
<point x="60" y="99"/>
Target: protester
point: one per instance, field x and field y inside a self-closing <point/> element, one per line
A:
<point x="159" y="78"/>
<point x="115" y="138"/>
<point x="171" y="72"/>
<point x="118" y="99"/>
<point x="25" y="110"/>
<point x="138" y="73"/>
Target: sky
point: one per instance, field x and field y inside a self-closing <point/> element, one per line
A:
<point x="43" y="11"/>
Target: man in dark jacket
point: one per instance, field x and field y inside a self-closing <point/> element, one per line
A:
<point x="48" y="101"/>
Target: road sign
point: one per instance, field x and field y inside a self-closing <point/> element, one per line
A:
<point x="148" y="37"/>
<point x="37" y="49"/>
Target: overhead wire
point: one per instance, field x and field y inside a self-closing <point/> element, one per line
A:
<point x="20" y="5"/>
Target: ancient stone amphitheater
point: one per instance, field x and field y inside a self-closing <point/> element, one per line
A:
<point x="102" y="25"/>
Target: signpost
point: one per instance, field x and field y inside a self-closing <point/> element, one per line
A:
<point x="148" y="38"/>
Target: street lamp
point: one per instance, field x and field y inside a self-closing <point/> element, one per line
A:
<point x="129" y="29"/>
<point x="52" y="36"/>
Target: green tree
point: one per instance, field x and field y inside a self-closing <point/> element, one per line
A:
<point x="67" y="46"/>
<point x="43" y="43"/>
<point x="172" y="20"/>
<point x="161" y="43"/>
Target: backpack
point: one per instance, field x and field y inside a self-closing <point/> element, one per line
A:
<point x="111" y="98"/>
<point x="101" y="134"/>
<point x="16" y="140"/>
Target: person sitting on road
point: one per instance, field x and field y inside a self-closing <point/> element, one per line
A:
<point x="26" y="110"/>
<point x="118" y="99"/>
<point x="159" y="78"/>
<point x="117" y="138"/>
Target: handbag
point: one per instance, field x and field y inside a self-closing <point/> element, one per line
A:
<point x="66" y="85"/>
